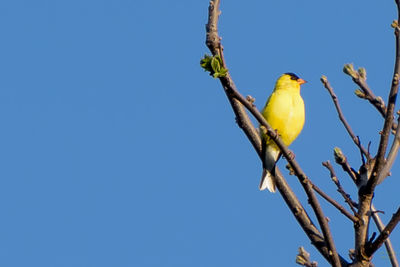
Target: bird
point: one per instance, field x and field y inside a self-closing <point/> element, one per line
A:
<point x="285" y="113"/>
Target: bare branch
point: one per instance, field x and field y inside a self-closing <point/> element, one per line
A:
<point x="359" y="77"/>
<point x="346" y="125"/>
<point x="334" y="203"/>
<point x="341" y="159"/>
<point x="374" y="246"/>
<point x="302" y="217"/>
<point x="340" y="189"/>
<point x="388" y="244"/>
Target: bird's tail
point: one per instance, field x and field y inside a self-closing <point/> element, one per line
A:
<point x="272" y="154"/>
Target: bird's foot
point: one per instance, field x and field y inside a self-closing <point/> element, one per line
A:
<point x="291" y="155"/>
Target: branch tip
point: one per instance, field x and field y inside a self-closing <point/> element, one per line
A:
<point x="349" y="70"/>
<point x="303" y="258"/>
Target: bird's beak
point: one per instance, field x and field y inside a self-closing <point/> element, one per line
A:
<point x="301" y="81"/>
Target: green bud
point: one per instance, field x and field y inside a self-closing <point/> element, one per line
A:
<point x="205" y="63"/>
<point x="213" y="65"/>
<point x="324" y="80"/>
<point x="303" y="257"/>
<point x="338" y="154"/>
<point x="349" y="70"/>
<point x="300" y="260"/>
<point x="363" y="73"/>
<point x="359" y="93"/>
<point x="222" y="73"/>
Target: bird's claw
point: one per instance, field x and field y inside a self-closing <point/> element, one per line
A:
<point x="291" y="155"/>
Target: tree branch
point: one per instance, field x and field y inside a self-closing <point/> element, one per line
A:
<point x="302" y="217"/>
<point x="346" y="125"/>
<point x="334" y="203"/>
<point x="371" y="248"/>
<point x="341" y="159"/>
<point x="359" y="77"/>
<point x="334" y="178"/>
<point x="388" y="244"/>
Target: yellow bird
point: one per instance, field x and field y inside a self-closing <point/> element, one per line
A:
<point x="284" y="112"/>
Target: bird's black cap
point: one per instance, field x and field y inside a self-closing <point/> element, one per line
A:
<point x="292" y="76"/>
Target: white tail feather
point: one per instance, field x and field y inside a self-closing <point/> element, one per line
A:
<point x="271" y="156"/>
<point x="267" y="182"/>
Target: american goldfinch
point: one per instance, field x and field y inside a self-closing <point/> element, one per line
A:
<point x="284" y="112"/>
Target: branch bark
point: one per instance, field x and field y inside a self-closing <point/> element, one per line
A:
<point x="388" y="243"/>
<point x="335" y="204"/>
<point x="334" y="178"/>
<point x="371" y="248"/>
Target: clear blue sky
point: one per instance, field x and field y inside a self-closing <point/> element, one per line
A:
<point x="116" y="149"/>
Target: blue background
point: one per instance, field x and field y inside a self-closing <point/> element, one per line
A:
<point x="117" y="149"/>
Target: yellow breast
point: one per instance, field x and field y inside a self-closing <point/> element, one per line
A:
<point x="284" y="111"/>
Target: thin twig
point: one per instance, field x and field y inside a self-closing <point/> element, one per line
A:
<point x="300" y="214"/>
<point x="340" y="189"/>
<point x="341" y="159"/>
<point x="388" y="243"/>
<point x="346" y="125"/>
<point x="359" y="78"/>
<point x="370" y="96"/>
<point x="374" y="246"/>
<point x="334" y="203"/>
